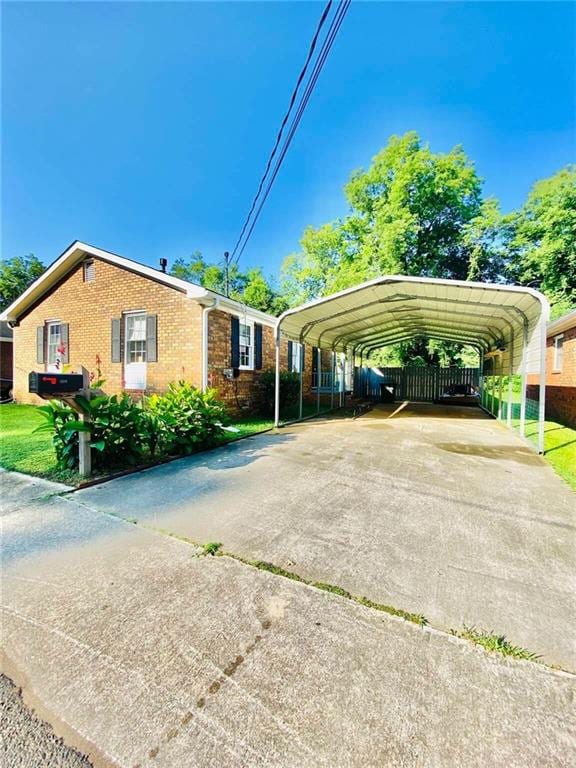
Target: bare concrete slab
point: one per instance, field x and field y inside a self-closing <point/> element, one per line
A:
<point x="440" y="511"/>
<point x="144" y="654"/>
<point x="17" y="489"/>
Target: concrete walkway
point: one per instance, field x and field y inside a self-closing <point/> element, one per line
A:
<point x="439" y="511"/>
<point x="141" y="652"/>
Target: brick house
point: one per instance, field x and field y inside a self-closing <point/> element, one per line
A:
<point x="561" y="371"/>
<point x="140" y="329"/>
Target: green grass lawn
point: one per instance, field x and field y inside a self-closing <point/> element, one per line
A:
<point x="559" y="448"/>
<point x="23" y="451"/>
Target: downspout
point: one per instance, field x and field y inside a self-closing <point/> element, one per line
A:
<point x="205" y="312"/>
<point x="277" y="338"/>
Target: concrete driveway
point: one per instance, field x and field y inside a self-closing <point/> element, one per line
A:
<point x="142" y="652"/>
<point x="438" y="511"/>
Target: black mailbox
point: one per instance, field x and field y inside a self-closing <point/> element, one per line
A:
<point x="55" y="383"/>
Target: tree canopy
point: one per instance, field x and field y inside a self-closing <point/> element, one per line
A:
<point x="250" y="287"/>
<point x="16" y="274"/>
<point x="416" y="212"/>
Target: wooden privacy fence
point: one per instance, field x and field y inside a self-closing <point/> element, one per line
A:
<point x="413" y="382"/>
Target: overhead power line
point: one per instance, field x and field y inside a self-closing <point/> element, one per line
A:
<point x="266" y="183"/>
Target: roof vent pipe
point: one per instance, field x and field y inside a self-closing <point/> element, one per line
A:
<point x="163" y="265"/>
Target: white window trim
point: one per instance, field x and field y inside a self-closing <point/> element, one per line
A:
<point x="125" y="315"/>
<point x="247" y="321"/>
<point x="47" y="325"/>
<point x="555" y="367"/>
<point x="296" y="357"/>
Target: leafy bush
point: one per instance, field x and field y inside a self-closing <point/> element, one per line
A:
<point x="117" y="428"/>
<point x="184" y="418"/>
<point x="289" y="389"/>
<point x="123" y="431"/>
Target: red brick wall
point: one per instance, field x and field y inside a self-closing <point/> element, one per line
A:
<point x="89" y="307"/>
<point x="560" y="385"/>
<point x="243" y="393"/>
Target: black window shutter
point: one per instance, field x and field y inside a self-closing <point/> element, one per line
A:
<point x="314" y="359"/>
<point x="151" y="338"/>
<point x="290" y="355"/>
<point x="302" y="357"/>
<point x="116" y="352"/>
<point x="235" y="342"/>
<point x="65" y="342"/>
<point x="257" y="346"/>
<point x="40" y="344"/>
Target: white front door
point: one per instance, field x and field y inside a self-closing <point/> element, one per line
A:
<point x="135" y="350"/>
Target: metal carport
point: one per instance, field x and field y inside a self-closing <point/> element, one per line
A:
<point x="506" y="324"/>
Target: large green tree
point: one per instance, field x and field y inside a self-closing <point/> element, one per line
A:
<point x="250" y="287"/>
<point x="541" y="239"/>
<point x="412" y="212"/>
<point x="16" y="274"/>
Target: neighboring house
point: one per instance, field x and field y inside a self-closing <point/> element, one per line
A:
<point x="139" y="329"/>
<point x="6" y="360"/>
<point x="561" y="371"/>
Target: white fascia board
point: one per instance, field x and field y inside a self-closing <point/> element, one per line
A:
<point x="74" y="254"/>
<point x="242" y="310"/>
<point x="563" y="323"/>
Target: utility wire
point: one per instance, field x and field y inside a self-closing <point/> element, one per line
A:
<point x="332" y="32"/>
<point x="252" y="217"/>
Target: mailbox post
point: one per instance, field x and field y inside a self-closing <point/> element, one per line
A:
<point x="66" y="387"/>
<point x="84" y="438"/>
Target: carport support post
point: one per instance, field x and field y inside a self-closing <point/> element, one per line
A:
<point x="301" y="366"/>
<point x="542" y="387"/>
<point x="481" y="377"/>
<point x="500" y="388"/>
<point x="510" y="375"/>
<point x="85" y="438"/>
<point x="277" y="380"/>
<point x="333" y="378"/>
<point x="318" y="377"/>
<point x="523" y="393"/>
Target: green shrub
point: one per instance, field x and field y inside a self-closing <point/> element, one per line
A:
<point x="124" y="432"/>
<point x="185" y="418"/>
<point x="118" y="430"/>
<point x="289" y="389"/>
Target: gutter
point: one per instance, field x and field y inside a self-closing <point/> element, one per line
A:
<point x="205" y="312"/>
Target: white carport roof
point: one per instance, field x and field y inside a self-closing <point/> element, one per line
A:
<point x="395" y="308"/>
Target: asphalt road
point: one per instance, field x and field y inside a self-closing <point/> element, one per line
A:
<point x="26" y="741"/>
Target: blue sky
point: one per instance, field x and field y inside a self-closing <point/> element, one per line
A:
<point x="143" y="128"/>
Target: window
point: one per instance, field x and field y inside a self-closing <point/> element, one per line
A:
<point x="136" y="338"/>
<point x="558" y="353"/>
<point x="53" y="343"/>
<point x="246" y="345"/>
<point x="89" y="271"/>
<point x="296" y="361"/>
